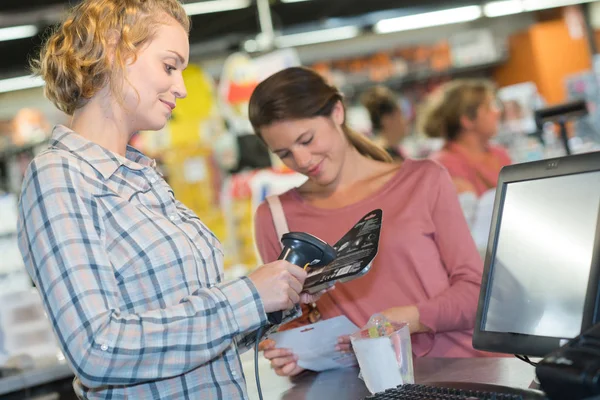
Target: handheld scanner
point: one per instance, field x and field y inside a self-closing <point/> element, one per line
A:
<point x="303" y="249"/>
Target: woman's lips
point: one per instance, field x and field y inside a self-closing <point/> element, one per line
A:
<point x="315" y="170"/>
<point x="169" y="105"/>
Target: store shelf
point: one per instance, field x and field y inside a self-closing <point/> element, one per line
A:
<point x="7" y="235"/>
<point x="356" y="85"/>
<point x="11" y="150"/>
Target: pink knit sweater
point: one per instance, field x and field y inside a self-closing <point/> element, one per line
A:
<point x="426" y="256"/>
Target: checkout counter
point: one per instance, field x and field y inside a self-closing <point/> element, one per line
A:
<point x="53" y="381"/>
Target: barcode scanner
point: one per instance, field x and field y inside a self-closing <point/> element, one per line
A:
<point x="303" y="249"/>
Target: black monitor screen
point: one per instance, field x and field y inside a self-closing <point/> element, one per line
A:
<point x="542" y="257"/>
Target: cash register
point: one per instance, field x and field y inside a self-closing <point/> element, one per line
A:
<point x="540" y="281"/>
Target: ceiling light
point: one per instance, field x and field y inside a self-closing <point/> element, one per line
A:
<point x="292" y="1"/>
<point x="320" y="36"/>
<point x="19" y="83"/>
<point x="508" y="7"/>
<point x="500" y="8"/>
<point x="17" y="32"/>
<point x="425" y="20"/>
<point x="533" y="5"/>
<point x="214" y="6"/>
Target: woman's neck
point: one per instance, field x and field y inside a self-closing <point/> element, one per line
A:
<point x="356" y="171"/>
<point x="354" y="167"/>
<point x="97" y="122"/>
<point x="472" y="143"/>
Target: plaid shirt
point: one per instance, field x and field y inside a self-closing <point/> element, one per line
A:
<point x="131" y="279"/>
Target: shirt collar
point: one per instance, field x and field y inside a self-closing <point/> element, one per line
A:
<point x="102" y="160"/>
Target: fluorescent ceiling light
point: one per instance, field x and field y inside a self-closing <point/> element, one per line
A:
<point x="19" y="83"/>
<point x="17" y="32"/>
<point x="533" y="5"/>
<point x="500" y="8"/>
<point x="214" y="6"/>
<point x="292" y="1"/>
<point x="320" y="36"/>
<point x="508" y="7"/>
<point x="425" y="20"/>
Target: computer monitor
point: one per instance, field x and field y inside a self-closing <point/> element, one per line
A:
<point x="541" y="271"/>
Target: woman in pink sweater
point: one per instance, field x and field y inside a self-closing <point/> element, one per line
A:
<point x="464" y="112"/>
<point x="427" y="272"/>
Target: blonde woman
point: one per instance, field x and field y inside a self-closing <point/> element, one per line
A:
<point x="466" y="115"/>
<point x="131" y="279"/>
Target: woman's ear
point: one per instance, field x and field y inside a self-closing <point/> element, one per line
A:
<point x="466" y="123"/>
<point x="338" y="114"/>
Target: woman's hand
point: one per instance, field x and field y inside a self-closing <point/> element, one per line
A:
<point x="408" y="314"/>
<point x="344" y="345"/>
<point x="283" y="361"/>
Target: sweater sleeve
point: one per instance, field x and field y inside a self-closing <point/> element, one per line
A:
<point x="456" y="307"/>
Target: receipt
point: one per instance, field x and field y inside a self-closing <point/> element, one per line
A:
<point x="315" y="344"/>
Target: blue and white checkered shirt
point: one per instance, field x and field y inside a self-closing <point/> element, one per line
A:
<point x="131" y="279"/>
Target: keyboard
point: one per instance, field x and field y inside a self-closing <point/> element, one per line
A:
<point x="457" y="391"/>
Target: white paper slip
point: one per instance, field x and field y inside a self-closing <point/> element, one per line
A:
<point x="315" y="344"/>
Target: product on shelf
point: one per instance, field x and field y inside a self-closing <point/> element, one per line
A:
<point x="242" y="193"/>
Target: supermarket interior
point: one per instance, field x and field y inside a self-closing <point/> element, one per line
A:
<point x="542" y="58"/>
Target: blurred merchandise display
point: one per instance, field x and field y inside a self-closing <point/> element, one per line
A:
<point x="517" y="131"/>
<point x="585" y="131"/>
<point x="239" y="77"/>
<point x="236" y="204"/>
<point x="25" y="331"/>
<point x="12" y="271"/>
<point x="475" y="47"/>
<point x="29" y="126"/>
<point x="242" y="193"/>
<point x="463" y="53"/>
<point x="22" y="138"/>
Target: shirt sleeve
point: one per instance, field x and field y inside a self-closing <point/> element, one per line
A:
<point x="61" y="239"/>
<point x="456" y="307"/>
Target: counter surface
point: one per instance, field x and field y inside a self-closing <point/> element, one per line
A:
<point x="342" y="384"/>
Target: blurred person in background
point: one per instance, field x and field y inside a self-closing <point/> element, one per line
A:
<point x="387" y="120"/>
<point x="465" y="113"/>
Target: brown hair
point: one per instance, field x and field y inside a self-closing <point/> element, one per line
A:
<point x="299" y="93"/>
<point x="74" y="61"/>
<point x="379" y="102"/>
<point x="442" y="112"/>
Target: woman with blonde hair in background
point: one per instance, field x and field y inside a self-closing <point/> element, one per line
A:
<point x="466" y="115"/>
<point x="131" y="279"/>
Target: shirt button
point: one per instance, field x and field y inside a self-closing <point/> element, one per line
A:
<point x="233" y="373"/>
<point x="104" y="347"/>
<point x="172" y="217"/>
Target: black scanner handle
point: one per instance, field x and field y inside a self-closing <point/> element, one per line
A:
<point x="300" y="248"/>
